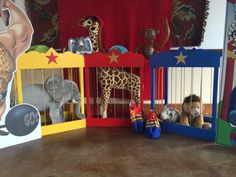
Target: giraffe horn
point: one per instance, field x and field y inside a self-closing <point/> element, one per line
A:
<point x="80" y="21"/>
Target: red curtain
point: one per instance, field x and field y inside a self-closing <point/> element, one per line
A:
<point x="123" y="22"/>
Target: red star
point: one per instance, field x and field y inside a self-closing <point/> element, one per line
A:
<point x="52" y="58"/>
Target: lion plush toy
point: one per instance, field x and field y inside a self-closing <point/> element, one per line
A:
<point x="191" y="115"/>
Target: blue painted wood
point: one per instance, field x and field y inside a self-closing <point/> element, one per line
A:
<point x="214" y="101"/>
<point x="208" y="135"/>
<point x="188" y="58"/>
<point x="194" y="58"/>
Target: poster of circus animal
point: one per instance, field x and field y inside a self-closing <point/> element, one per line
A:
<point x="20" y="123"/>
<point x="226" y="131"/>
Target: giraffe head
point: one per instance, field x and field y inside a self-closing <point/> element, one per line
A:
<point x="92" y="23"/>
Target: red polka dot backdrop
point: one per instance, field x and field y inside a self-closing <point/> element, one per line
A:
<point x="123" y="23"/>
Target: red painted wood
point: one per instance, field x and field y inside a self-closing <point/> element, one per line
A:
<point x="141" y="87"/>
<point x="87" y="92"/>
<point x="128" y="59"/>
<point x="99" y="59"/>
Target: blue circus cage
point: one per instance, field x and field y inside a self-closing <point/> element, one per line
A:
<point x="187" y="72"/>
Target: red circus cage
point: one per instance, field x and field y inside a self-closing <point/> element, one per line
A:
<point x="112" y="81"/>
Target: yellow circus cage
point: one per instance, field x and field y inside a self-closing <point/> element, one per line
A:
<point x="54" y="83"/>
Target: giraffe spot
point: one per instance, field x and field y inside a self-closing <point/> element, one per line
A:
<point x="108" y="81"/>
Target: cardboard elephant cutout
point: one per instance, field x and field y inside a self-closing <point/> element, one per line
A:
<point x="52" y="96"/>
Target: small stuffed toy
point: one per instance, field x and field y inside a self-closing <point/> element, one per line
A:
<point x="153" y="129"/>
<point x="169" y="114"/>
<point x="151" y="45"/>
<point x="82" y="45"/>
<point x="192" y="113"/>
<point x="136" y="118"/>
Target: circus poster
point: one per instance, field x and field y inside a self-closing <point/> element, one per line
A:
<point x="226" y="131"/>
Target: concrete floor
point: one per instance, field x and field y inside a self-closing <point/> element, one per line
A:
<point x="116" y="152"/>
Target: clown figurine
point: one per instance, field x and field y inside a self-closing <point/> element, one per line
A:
<point x="153" y="129"/>
<point x="136" y="118"/>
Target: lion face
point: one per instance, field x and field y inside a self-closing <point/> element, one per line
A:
<point x="193" y="108"/>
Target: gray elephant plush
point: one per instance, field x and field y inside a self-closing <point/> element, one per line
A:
<point x="53" y="95"/>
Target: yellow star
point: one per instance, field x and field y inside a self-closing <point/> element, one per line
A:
<point x="113" y="57"/>
<point x="181" y="58"/>
<point x="230" y="54"/>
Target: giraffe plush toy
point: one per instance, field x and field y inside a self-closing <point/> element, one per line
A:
<point x="110" y="78"/>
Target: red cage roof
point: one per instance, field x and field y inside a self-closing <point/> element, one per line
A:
<point x="114" y="59"/>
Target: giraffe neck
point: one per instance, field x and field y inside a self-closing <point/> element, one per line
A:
<point x="95" y="36"/>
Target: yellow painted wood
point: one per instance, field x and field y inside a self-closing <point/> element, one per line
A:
<point x="68" y="60"/>
<point x="62" y="127"/>
<point x="81" y="78"/>
<point x="19" y="86"/>
<point x="71" y="108"/>
<point x="35" y="60"/>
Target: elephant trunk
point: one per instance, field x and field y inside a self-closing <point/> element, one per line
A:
<point x="56" y="113"/>
<point x="77" y="111"/>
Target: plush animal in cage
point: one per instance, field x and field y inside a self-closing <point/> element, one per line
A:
<point x="150" y="35"/>
<point x="169" y="114"/>
<point x="192" y="112"/>
<point x="110" y="78"/>
<point x="52" y="96"/>
<point x="80" y="45"/>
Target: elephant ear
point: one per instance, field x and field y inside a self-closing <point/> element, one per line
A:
<point x="54" y="86"/>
